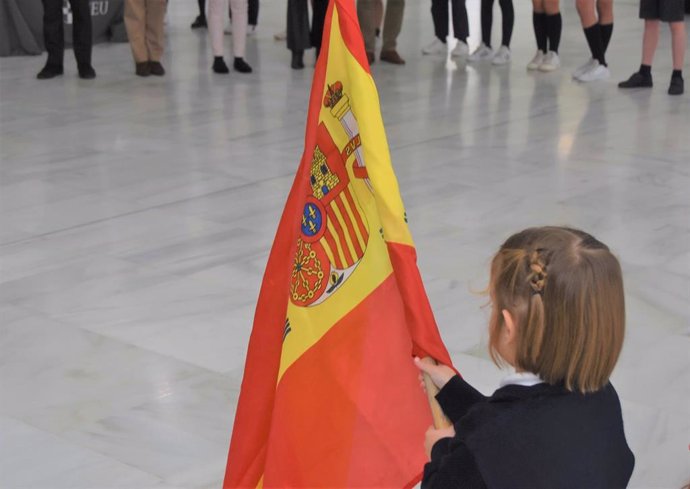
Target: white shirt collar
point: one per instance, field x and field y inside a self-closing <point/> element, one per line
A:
<point x="526" y="379"/>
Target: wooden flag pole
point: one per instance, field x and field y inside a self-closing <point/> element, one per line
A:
<point x="440" y="420"/>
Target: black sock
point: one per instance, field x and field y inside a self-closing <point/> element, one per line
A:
<point x="593" y="35"/>
<point x="677" y="74"/>
<point x="202" y="8"/>
<point x="539" y="23"/>
<point x="487" y="17"/>
<point x="646" y="70"/>
<point x="554" y="26"/>
<point x="606" y="33"/>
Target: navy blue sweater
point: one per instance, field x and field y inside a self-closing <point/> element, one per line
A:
<point x="542" y="436"/>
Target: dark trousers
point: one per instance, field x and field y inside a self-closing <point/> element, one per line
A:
<point x="54" y="36"/>
<point x="439" y="14"/>
<point x="299" y="36"/>
<point x="252" y="11"/>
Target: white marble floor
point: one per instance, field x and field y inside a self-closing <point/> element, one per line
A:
<point x="136" y="217"/>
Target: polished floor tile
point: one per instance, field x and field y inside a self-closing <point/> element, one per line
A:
<point x="136" y="217"/>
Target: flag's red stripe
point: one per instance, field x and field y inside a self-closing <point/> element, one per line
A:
<point x="349" y="261"/>
<point x="350" y="227"/>
<point x="358" y="216"/>
<point x="334" y="248"/>
<point x="331" y="429"/>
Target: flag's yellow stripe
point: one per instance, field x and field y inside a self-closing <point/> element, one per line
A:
<point x="338" y="244"/>
<point x="353" y="219"/>
<point x="328" y="250"/>
<point x="346" y="231"/>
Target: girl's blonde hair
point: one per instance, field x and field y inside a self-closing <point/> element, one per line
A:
<point x="564" y="289"/>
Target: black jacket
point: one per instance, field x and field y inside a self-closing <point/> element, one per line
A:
<point x="535" y="437"/>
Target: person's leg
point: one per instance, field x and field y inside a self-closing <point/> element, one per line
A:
<point x="378" y="16"/>
<point x="253" y="12"/>
<point x="200" y="20"/>
<point x="318" y="19"/>
<point x="605" y="12"/>
<point x="649" y="12"/>
<point x="392" y="24"/>
<point x="487" y="20"/>
<point x="678" y="44"/>
<point x="539" y="24"/>
<point x="53" y="34"/>
<point x="297" y="34"/>
<point x="366" y="13"/>
<point x="592" y="29"/>
<point x="554" y="24"/>
<point x="202" y="8"/>
<point x="439" y="15"/>
<point x="508" y="21"/>
<point x="650" y="40"/>
<point x="135" y="24"/>
<point x="240" y="25"/>
<point x="155" y="34"/>
<point x="81" y="32"/>
<point x="461" y="26"/>
<point x="216" y="18"/>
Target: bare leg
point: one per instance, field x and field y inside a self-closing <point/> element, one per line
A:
<point x="678" y="44"/>
<point x="650" y="39"/>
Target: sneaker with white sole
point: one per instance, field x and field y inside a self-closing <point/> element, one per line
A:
<point x="551" y="62"/>
<point x="536" y="61"/>
<point x="435" y="47"/>
<point x="584" y="68"/>
<point x="482" y="53"/>
<point x="461" y="50"/>
<point x="502" y="56"/>
<point x="598" y="72"/>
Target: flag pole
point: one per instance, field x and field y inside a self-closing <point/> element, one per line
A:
<point x="440" y="420"/>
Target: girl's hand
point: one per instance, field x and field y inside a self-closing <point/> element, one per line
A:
<point x="433" y="435"/>
<point x="439" y="374"/>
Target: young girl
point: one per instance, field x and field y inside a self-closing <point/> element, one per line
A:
<point x="484" y="51"/>
<point x="596" y="17"/>
<point x="558" y="318"/>
<point x="547" y="22"/>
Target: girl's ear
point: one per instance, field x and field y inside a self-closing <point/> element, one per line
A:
<point x="509" y="326"/>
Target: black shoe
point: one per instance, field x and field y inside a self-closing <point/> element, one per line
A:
<point x="49" y="71"/>
<point x="219" y="66"/>
<point x="677" y="86"/>
<point x="637" y="80"/>
<point x="241" y="65"/>
<point x="156" y="69"/>
<point x="297" y="60"/>
<point x="199" y="22"/>
<point x="86" y="72"/>
<point x="143" y="69"/>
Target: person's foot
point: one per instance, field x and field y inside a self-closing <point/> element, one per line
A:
<point x="551" y="62"/>
<point x="597" y="73"/>
<point x="241" y="65"/>
<point x="143" y="69"/>
<point x="637" y="80"/>
<point x="502" y="56"/>
<point x="49" y="71"/>
<point x="435" y="47"/>
<point x="199" y="22"/>
<point x="280" y="36"/>
<point x="219" y="66"/>
<point x="371" y="58"/>
<point x="677" y="86"/>
<point x="536" y="61"/>
<point x="86" y="72"/>
<point x="583" y="68"/>
<point x="482" y="53"/>
<point x="156" y="69"/>
<point x="251" y="30"/>
<point x="461" y="50"/>
<point x="297" y="62"/>
<point x="392" y="57"/>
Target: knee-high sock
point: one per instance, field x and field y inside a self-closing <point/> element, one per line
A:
<point x="593" y="35"/>
<point x="539" y="23"/>
<point x="508" y="20"/>
<point x="606" y="33"/>
<point x="487" y="16"/>
<point x="554" y="26"/>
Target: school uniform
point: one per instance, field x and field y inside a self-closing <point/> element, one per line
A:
<point x="530" y="434"/>
<point x="663" y="10"/>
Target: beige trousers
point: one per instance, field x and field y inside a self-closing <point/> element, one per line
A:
<point x="144" y="24"/>
<point x="392" y="23"/>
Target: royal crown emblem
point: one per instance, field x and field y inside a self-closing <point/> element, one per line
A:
<point x="333" y="229"/>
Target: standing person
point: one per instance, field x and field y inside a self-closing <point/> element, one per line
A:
<point x="461" y="29"/>
<point x="557" y="318"/>
<point x="54" y="38"/>
<point x="299" y="36"/>
<point x="216" y="19"/>
<point x="484" y="51"/>
<point x="392" y="24"/>
<point x="654" y="12"/>
<point x="548" y="24"/>
<point x="200" y="21"/>
<point x="145" y="30"/>
<point x="597" y="23"/>
<point x="253" y="19"/>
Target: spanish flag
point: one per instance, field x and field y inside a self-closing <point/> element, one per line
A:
<point x="330" y="396"/>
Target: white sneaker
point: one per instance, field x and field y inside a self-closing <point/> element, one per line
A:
<point x="598" y="72"/>
<point x="482" y="53"/>
<point x="580" y="70"/>
<point x="461" y="50"/>
<point x="435" y="47"/>
<point x="551" y="62"/>
<point x="502" y="56"/>
<point x="280" y="36"/>
<point x="536" y="61"/>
